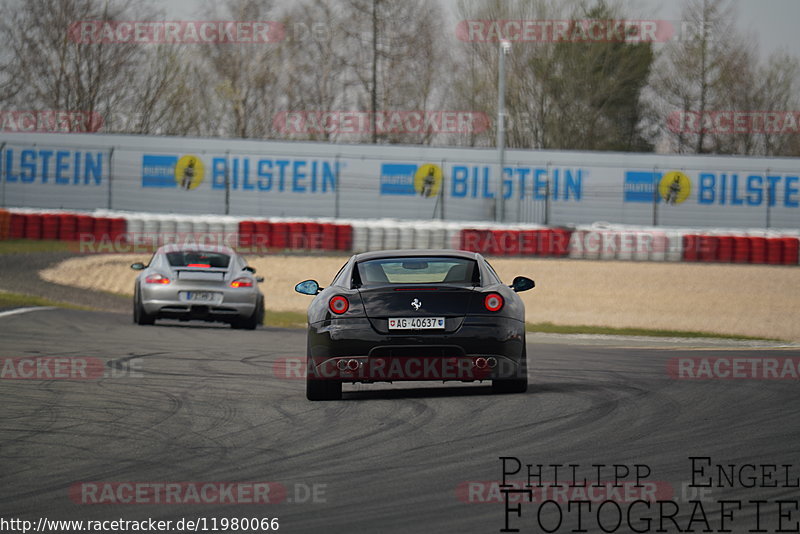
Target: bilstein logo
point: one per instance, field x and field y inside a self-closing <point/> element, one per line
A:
<point x="185" y="172"/>
<point x="411" y="180"/>
<point x="189" y="172"/>
<point x="674" y="187"/>
<point x="428" y="180"/>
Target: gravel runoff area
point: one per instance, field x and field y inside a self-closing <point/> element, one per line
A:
<point x="751" y="300"/>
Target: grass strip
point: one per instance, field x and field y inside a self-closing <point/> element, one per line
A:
<point x="550" y="328"/>
<point x="285" y="319"/>
<point x="288" y="319"/>
<point x="26" y="246"/>
<point x="16" y="300"/>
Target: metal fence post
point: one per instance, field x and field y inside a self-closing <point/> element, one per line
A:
<point x="547" y="196"/>
<point x="227" y="182"/>
<point x="2" y="166"/>
<point x="110" y="176"/>
<point x="522" y="207"/>
<point x="337" y="186"/>
<point x="656" y="184"/>
<point x="769" y="199"/>
<point x="442" y="191"/>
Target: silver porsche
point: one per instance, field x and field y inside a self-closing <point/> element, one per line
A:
<point x="196" y="282"/>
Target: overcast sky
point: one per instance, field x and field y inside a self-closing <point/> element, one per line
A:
<point x="772" y="23"/>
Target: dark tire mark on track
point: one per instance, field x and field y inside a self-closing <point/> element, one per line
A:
<point x="199" y="403"/>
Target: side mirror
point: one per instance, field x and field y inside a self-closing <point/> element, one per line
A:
<point x="259" y="279"/>
<point x="522" y="283"/>
<point x="308" y="287"/>
<point x="138" y="266"/>
<point x="249" y="269"/>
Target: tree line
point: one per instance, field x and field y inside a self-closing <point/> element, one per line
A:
<point x="377" y="56"/>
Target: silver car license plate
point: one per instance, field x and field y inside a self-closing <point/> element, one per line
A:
<point x="200" y="296"/>
<point x="416" y="323"/>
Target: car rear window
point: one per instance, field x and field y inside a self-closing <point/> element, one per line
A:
<point x="458" y="271"/>
<point x="198" y="258"/>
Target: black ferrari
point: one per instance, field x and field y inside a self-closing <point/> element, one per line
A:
<point x="396" y="315"/>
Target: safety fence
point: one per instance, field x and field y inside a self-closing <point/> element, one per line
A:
<point x="254" y="179"/>
<point x="105" y="231"/>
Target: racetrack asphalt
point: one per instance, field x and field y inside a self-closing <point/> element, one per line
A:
<point x="188" y="402"/>
<point x="19" y="274"/>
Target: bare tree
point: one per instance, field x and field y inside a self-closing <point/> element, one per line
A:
<point x="395" y="53"/>
<point x="314" y="63"/>
<point x="169" y="98"/>
<point x="399" y="55"/>
<point x="770" y="89"/>
<point x="560" y="93"/>
<point x="695" y="72"/>
<point x="244" y="77"/>
<point x="10" y="84"/>
<point x="528" y="64"/>
<point x="134" y="87"/>
<point x="58" y="73"/>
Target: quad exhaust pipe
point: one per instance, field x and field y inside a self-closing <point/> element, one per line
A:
<point x="353" y="365"/>
<point x="348" y="365"/>
<point x="483" y="363"/>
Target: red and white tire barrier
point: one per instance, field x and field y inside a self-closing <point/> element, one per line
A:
<point x="105" y="231"/>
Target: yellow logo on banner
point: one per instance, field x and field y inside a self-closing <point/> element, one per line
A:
<point x="428" y="180"/>
<point x="675" y="187"/>
<point x="189" y="172"/>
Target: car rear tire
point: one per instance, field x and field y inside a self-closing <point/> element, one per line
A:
<point x="140" y="316"/>
<point x="514" y="385"/>
<point x="250" y="323"/>
<point x="322" y="390"/>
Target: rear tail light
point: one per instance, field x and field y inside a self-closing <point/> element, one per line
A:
<point x="203" y="265"/>
<point x="493" y="302"/>
<point x="242" y="282"/>
<point x="339" y="304"/>
<point x="156" y="278"/>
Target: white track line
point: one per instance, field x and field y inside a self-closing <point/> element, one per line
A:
<point x="26" y="310"/>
